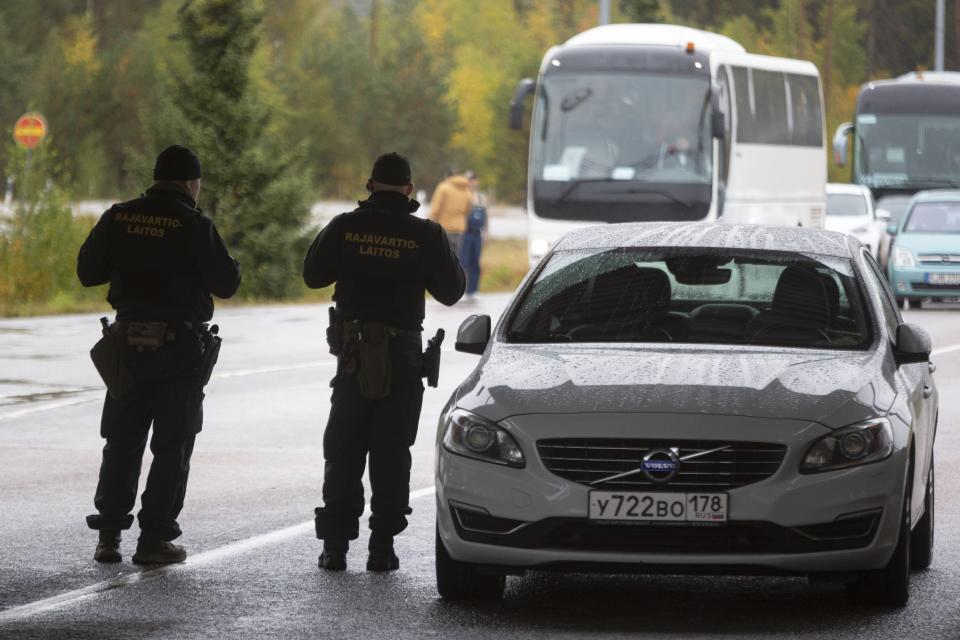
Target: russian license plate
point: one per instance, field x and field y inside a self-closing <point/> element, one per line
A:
<point x="638" y="506"/>
<point x="943" y="278"/>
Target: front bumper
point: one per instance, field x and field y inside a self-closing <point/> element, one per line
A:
<point x="837" y="521"/>
<point x="911" y="282"/>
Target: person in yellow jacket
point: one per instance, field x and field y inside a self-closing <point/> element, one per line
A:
<point x="449" y="207"/>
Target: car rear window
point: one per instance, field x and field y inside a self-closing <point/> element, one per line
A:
<point x="846" y="204"/>
<point x="693" y="295"/>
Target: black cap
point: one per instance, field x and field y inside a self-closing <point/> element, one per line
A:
<point x="392" y="169"/>
<point x="177" y="163"/>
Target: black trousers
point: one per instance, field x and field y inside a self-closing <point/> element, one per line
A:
<point x="382" y="430"/>
<point x="170" y="400"/>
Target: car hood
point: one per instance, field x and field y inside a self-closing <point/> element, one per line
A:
<point x="929" y="242"/>
<point x="834" y="389"/>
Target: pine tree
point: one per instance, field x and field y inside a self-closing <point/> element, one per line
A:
<point x="249" y="189"/>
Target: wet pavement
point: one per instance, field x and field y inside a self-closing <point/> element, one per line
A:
<point x="256" y="477"/>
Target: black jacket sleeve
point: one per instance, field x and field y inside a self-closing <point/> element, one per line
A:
<point x="220" y="272"/>
<point x="93" y="265"/>
<point x="320" y="265"/>
<point x="446" y="281"/>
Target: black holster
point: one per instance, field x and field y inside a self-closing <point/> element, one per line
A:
<point x="431" y="359"/>
<point x="210" y="343"/>
<point x="108" y="357"/>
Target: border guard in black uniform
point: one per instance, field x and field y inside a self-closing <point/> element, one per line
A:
<point x="382" y="260"/>
<point x="163" y="259"/>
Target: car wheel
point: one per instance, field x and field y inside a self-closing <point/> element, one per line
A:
<point x="889" y="586"/>
<point x="921" y="540"/>
<point x="899" y="303"/>
<point x="456" y="580"/>
<point x="915" y="303"/>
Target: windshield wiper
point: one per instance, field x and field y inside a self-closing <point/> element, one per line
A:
<point x="665" y="194"/>
<point x="575" y="184"/>
<point x="938" y="181"/>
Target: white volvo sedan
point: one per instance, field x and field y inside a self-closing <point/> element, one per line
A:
<point x="706" y="398"/>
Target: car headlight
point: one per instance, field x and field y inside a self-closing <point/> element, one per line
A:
<point x="860" y="230"/>
<point x="903" y="258"/>
<point x="851" y="446"/>
<point x="470" y="435"/>
<point x="539" y="247"/>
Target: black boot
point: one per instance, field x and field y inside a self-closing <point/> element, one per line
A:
<point x="108" y="547"/>
<point x="382" y="557"/>
<point x="152" y="550"/>
<point x="334" y="556"/>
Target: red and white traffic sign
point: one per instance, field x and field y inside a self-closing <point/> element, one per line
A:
<point x="30" y="130"/>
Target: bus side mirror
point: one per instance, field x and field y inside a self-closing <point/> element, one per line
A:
<point x="718" y="125"/>
<point x="524" y="88"/>
<point x="474" y="334"/>
<point x="840" y="143"/>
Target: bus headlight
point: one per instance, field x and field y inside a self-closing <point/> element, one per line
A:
<point x="903" y="258"/>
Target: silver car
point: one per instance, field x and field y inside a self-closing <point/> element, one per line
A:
<point x="707" y="398"/>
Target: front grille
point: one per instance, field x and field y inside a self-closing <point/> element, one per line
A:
<point x="586" y="460"/>
<point x="926" y="286"/>
<point x="938" y="258"/>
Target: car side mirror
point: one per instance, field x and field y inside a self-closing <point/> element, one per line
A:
<point x="840" y="143"/>
<point x="882" y="214"/>
<point x="913" y="344"/>
<point x="524" y="88"/>
<point x="473" y="334"/>
<point x="893" y="228"/>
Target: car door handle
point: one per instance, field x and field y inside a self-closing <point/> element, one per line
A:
<point x="932" y="367"/>
<point x="927" y="391"/>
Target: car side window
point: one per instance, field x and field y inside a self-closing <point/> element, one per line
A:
<point x="890" y="312"/>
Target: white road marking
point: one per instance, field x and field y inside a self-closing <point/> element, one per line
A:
<point x="206" y="558"/>
<point x="947" y="349"/>
<point x="94" y="395"/>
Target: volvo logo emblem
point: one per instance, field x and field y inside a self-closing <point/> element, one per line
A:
<point x="660" y="465"/>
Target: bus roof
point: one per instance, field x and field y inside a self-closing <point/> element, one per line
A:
<point x="655" y="34"/>
<point x="908" y="95"/>
<point x="931" y="76"/>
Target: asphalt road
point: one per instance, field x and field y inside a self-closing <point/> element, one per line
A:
<point x="256" y="478"/>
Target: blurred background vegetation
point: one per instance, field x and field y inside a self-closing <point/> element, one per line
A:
<point x="288" y="101"/>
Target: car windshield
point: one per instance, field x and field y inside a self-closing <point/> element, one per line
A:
<point x="693" y="295"/>
<point x="934" y="217"/>
<point x="846" y="204"/>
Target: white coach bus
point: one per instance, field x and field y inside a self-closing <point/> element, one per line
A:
<point x="639" y="122"/>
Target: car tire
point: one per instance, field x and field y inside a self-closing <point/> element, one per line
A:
<point x="921" y="540"/>
<point x="458" y="580"/>
<point x="915" y="303"/>
<point x="889" y="586"/>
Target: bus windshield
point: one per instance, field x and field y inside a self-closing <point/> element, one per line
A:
<point x="903" y="150"/>
<point x="603" y="137"/>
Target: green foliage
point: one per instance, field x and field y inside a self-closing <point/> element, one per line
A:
<point x="40" y="241"/>
<point x="257" y="201"/>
